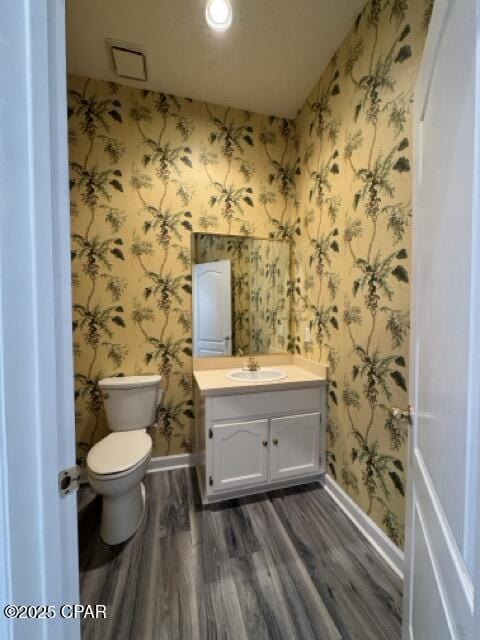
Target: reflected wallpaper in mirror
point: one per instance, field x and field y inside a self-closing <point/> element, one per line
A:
<point x="259" y="280"/>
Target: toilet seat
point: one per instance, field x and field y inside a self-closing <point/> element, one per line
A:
<point x="117" y="474"/>
<point x="119" y="453"/>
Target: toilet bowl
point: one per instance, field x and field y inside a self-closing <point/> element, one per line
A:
<point x="117" y="464"/>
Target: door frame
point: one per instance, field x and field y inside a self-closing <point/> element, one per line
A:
<point x="475" y="344"/>
<point x="38" y="528"/>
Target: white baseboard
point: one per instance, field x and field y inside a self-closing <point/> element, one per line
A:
<point x="166" y="463"/>
<point x="392" y="555"/>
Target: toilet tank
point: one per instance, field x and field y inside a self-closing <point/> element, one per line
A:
<point x="131" y="402"/>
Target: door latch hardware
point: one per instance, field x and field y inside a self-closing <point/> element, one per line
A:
<point x="210" y="433"/>
<point x="401" y="414"/>
<point x="210" y="480"/>
<point x="69" y="480"/>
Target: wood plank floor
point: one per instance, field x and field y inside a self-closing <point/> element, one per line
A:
<point x="284" y="565"/>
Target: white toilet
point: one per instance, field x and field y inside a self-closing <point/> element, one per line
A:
<point x="117" y="464"/>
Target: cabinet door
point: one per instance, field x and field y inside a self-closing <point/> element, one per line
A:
<point x="294" y="446"/>
<point x="240" y="454"/>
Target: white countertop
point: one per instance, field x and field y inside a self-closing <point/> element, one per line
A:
<point x="214" y="382"/>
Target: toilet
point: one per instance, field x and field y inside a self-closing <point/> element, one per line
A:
<point x="117" y="464"/>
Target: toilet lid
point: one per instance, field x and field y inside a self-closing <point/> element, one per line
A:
<point x="118" y="452"/>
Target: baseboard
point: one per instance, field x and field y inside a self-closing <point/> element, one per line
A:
<point x="166" y="463"/>
<point x="392" y="555"/>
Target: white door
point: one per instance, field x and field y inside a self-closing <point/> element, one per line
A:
<point x="442" y="533"/>
<point x="294" y="446"/>
<point x="212" y="309"/>
<point x="38" y="527"/>
<point x="240" y="454"/>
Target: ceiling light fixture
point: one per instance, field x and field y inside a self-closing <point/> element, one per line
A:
<point x="219" y="14"/>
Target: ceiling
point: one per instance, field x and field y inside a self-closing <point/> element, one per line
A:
<point x="267" y="62"/>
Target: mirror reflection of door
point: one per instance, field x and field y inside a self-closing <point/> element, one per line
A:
<point x="261" y="319"/>
<point x="212" y="311"/>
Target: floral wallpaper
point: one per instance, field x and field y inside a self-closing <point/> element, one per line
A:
<point x="270" y="299"/>
<point x="352" y="259"/>
<point x="146" y="170"/>
<point x="261" y="278"/>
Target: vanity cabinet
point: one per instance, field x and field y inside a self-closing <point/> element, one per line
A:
<point x="253" y="442"/>
<point x="239" y="454"/>
<point x="295" y="445"/>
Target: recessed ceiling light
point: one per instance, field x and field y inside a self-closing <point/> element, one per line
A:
<point x="219" y="14"/>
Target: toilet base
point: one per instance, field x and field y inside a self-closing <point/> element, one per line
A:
<point x="122" y="515"/>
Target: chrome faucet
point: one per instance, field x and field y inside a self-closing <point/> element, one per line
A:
<point x="252" y="364"/>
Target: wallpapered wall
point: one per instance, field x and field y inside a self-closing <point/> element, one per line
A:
<point x="261" y="279"/>
<point x="352" y="258"/>
<point x="146" y="170"/>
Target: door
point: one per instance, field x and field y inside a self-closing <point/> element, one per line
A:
<point x="294" y="446"/>
<point x="442" y="536"/>
<point x="240" y="454"/>
<point x="212" y="309"/>
<point x="38" y="527"/>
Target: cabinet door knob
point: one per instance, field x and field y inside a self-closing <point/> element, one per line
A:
<point x="265" y="443"/>
<point x="275" y="441"/>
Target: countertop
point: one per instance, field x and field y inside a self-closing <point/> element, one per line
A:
<point x="214" y="382"/>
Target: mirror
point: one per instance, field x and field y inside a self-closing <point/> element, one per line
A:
<point x="241" y="298"/>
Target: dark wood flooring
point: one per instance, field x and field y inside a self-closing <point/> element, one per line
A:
<point x="284" y="565"/>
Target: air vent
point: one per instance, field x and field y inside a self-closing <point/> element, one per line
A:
<point x="128" y="61"/>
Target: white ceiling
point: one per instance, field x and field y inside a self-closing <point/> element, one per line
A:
<point x="267" y="62"/>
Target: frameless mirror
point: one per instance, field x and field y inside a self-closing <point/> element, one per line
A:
<point x="241" y="300"/>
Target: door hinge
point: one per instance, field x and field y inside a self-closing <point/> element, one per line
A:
<point x="69" y="480"/>
<point x="210" y="433"/>
<point x="210" y="480"/>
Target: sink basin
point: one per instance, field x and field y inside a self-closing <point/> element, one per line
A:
<point x="264" y="374"/>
